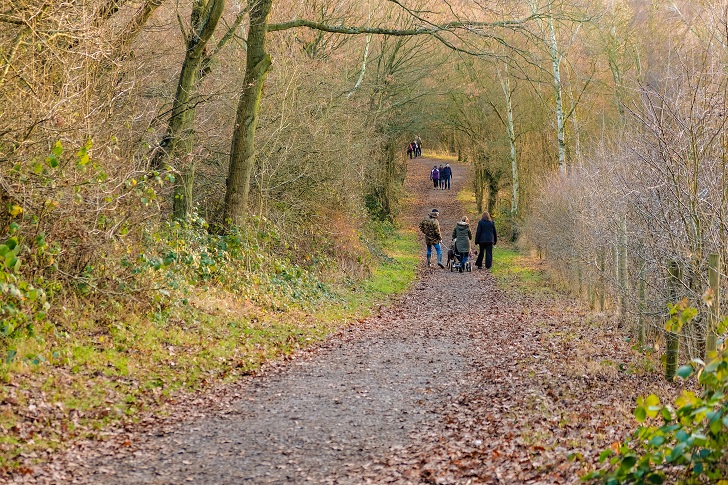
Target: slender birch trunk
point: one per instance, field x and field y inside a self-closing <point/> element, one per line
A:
<point x="556" y="65"/>
<point x="711" y="344"/>
<point x="363" y="66"/>
<point x="511" y="132"/>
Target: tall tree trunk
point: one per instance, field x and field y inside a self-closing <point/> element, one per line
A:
<point x="178" y="141"/>
<point x="556" y="65"/>
<point x="135" y="26"/>
<point x="479" y="183"/>
<point x="492" y="190"/>
<point x="511" y="132"/>
<point x="672" y="339"/>
<point x="242" y="152"/>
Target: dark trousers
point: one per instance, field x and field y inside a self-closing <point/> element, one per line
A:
<point x="436" y="182"/>
<point x="486" y="248"/>
<point x="446" y="183"/>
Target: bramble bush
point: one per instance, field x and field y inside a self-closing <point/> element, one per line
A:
<point x="689" y="445"/>
<point x="83" y="234"/>
<point x="22" y="304"/>
<point x="184" y="254"/>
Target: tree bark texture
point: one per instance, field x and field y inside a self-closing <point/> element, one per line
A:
<point x="672" y="339"/>
<point x="178" y="141"/>
<point x="511" y="132"/>
<point x="556" y="65"/>
<point x="711" y="339"/>
<point x="242" y="152"/>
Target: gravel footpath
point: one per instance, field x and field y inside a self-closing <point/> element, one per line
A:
<point x="331" y="416"/>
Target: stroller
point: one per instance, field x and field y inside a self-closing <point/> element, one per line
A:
<point x="455" y="260"/>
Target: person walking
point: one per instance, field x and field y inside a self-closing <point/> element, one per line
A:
<point x="442" y="178"/>
<point x="435" y="176"/>
<point x="462" y="236"/>
<point x="410" y="150"/>
<point x="485" y="238"/>
<point x="430" y="227"/>
<point x="445" y="176"/>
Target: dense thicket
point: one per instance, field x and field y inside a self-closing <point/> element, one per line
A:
<point x="650" y="193"/>
<point x="115" y="116"/>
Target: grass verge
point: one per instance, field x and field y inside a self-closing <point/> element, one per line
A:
<point x="106" y="365"/>
<point x="515" y="270"/>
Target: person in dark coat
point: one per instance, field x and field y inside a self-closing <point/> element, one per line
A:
<point x="485" y="238"/>
<point x="445" y="176"/>
<point x="410" y="150"/>
<point x="430" y="227"/>
<point x="435" y="176"/>
<point x="462" y="236"/>
<point x="442" y="179"/>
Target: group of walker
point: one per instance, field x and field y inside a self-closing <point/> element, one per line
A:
<point x="414" y="149"/>
<point x="441" y="176"/>
<point x="461" y="252"/>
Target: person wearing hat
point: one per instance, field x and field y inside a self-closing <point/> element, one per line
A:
<point x="430" y="227"/>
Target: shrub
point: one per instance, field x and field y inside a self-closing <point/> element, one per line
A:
<point x="688" y="446"/>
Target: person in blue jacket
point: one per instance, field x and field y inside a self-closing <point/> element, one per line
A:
<point x="485" y="238"/>
<point x="445" y="176"/>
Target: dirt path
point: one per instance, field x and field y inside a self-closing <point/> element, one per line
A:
<point x="460" y="382"/>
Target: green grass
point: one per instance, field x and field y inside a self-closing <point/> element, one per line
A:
<point x="397" y="273"/>
<point x="515" y="270"/>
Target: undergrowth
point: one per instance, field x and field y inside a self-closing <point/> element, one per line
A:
<point x="518" y="271"/>
<point x="185" y="309"/>
<point x="683" y="442"/>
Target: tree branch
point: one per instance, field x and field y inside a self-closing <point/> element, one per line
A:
<point x="9" y="19"/>
<point x="433" y="29"/>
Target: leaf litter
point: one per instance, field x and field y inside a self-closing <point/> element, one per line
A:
<point x="459" y="381"/>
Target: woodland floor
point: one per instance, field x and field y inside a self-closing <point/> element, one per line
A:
<point x="460" y="381"/>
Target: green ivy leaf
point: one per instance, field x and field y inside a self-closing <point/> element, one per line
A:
<point x="10" y="355"/>
<point x="666" y="414"/>
<point x="676" y="452"/>
<point x="685" y="371"/>
<point x="657" y="440"/>
<point x="640" y="414"/>
<point x="57" y="149"/>
<point x="656" y="479"/>
<point x="712" y="366"/>
<point x="605" y="454"/>
<point x="11" y="243"/>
